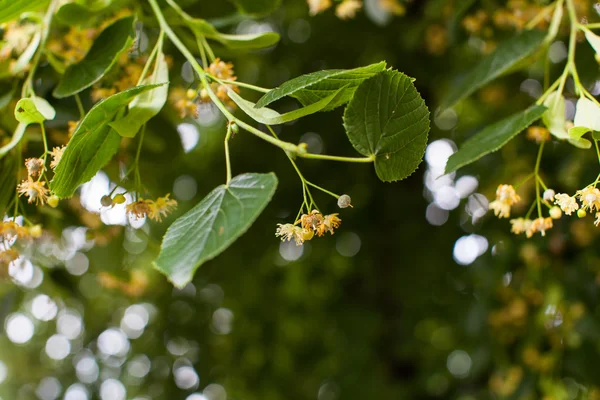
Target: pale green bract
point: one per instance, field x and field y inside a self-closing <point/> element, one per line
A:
<point x="213" y="225"/>
<point x="34" y="109"/>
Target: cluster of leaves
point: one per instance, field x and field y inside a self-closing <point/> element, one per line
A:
<point x="385" y="119"/>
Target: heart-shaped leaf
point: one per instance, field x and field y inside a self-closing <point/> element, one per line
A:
<point x="93" y="143"/>
<point x="213" y="225"/>
<point x="493" y="137"/>
<point x="104" y="53"/>
<point x="388" y="120"/>
<point x="311" y="88"/>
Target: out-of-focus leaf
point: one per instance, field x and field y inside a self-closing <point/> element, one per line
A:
<point x="8" y="182"/>
<point x="17" y="136"/>
<point x="33" y="110"/>
<point x="249" y="41"/>
<point x="593" y="40"/>
<point x="105" y="51"/>
<point x="311" y="88"/>
<point x="23" y="61"/>
<point x="388" y="120"/>
<point x="148" y="104"/>
<point x="493" y="137"/>
<point x="268" y="116"/>
<point x="93" y="143"/>
<point x="257" y="8"/>
<point x="12" y="9"/>
<point x="213" y="225"/>
<point x="74" y="14"/>
<point x="506" y="56"/>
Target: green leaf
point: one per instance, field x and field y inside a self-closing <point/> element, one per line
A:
<point x="554" y="117"/>
<point x="74" y="14"/>
<point x="250" y="41"/>
<point x="17" y="136"/>
<point x="23" y="61"/>
<point x="12" y="9"/>
<point x="93" y="143"/>
<point x="387" y="119"/>
<point x="593" y="40"/>
<point x="105" y="51"/>
<point x="257" y="8"/>
<point x="33" y="110"/>
<point x="587" y="114"/>
<point x="268" y="116"/>
<point x="147" y="105"/>
<point x="507" y="55"/>
<point x="311" y="88"/>
<point x="493" y="137"/>
<point x="8" y="182"/>
<point x="213" y="225"/>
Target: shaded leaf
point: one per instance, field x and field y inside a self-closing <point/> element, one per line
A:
<point x="213" y="225"/>
<point x="8" y="182"/>
<point x="311" y="88"/>
<point x="148" y="104"/>
<point x="93" y="143"/>
<point x="74" y="14"/>
<point x="12" y="9"/>
<point x="493" y="137"/>
<point x="387" y="119"/>
<point x="32" y="110"/>
<point x="506" y="56"/>
<point x="268" y="116"/>
<point x="17" y="136"/>
<point x="257" y="8"/>
<point x="105" y="51"/>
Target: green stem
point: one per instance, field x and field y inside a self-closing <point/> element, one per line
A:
<point x="211" y="55"/>
<point x="338" y="158"/>
<point x="537" y="183"/>
<point x="138" y="179"/>
<point x="592" y="26"/>
<point x="157" y="48"/>
<point x="323" y="190"/>
<point x="227" y="159"/>
<point x="241" y="84"/>
<point x="79" y="106"/>
<point x="528" y="177"/>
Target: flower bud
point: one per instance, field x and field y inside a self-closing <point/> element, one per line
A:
<point x="549" y="195"/>
<point x="307" y="234"/>
<point x="344" y="201"/>
<point x="35" y="231"/>
<point x="190" y="94"/>
<point x="106" y="201"/>
<point x="204" y="95"/>
<point x="235" y="129"/>
<point x="555" y="212"/>
<point x="119" y="199"/>
<point x="53" y="201"/>
<point x="302" y="148"/>
<point x="581" y="213"/>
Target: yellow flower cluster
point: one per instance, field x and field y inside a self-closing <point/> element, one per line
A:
<point x="223" y="71"/>
<point x="15" y="39"/>
<point x="506" y="197"/>
<point x="530" y="227"/>
<point x="10" y="230"/>
<point x="72" y="46"/>
<point x="347" y="9"/>
<point x="155" y="210"/>
<point x="538" y="134"/>
<point x="182" y="102"/>
<point x="35" y="191"/>
<point x="309" y="224"/>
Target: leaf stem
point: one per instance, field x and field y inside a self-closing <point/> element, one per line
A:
<point x="241" y="84"/>
<point x="79" y="106"/>
<point x="227" y="158"/>
<point x="338" y="158"/>
<point x="337" y="196"/>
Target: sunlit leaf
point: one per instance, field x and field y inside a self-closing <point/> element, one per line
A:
<point x="93" y="143"/>
<point x="506" y="56"/>
<point x="387" y="119"/>
<point x="493" y="137"/>
<point x="104" y="53"/>
<point x="32" y="110"/>
<point x="12" y="9"/>
<point x="147" y="105"/>
<point x="311" y="88"/>
<point x="213" y="225"/>
<point x="268" y="116"/>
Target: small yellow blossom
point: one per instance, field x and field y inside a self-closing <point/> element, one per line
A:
<point x="138" y="209"/>
<point x="288" y="232"/>
<point x="330" y="222"/>
<point x="161" y="207"/>
<point x="540" y="225"/>
<point x="506" y="196"/>
<point x="224" y="71"/>
<point x="589" y="197"/>
<point x="182" y="103"/>
<point x="34" y="190"/>
<point x="538" y="134"/>
<point x="566" y="203"/>
<point x="56" y="154"/>
<point x="520" y="225"/>
<point x="318" y="6"/>
<point x="221" y="70"/>
<point x="35" y="166"/>
<point x="597" y="221"/>
<point x="99" y="93"/>
<point x="392" y="6"/>
<point x="347" y="9"/>
<point x="10" y="230"/>
<point x="310" y="221"/>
